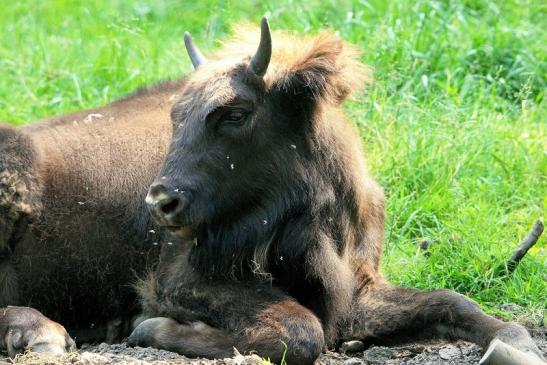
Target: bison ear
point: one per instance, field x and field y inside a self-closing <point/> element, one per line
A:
<point x="328" y="69"/>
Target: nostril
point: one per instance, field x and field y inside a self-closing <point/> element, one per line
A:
<point x="170" y="206"/>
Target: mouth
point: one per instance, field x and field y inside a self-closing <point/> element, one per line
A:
<point x="184" y="232"/>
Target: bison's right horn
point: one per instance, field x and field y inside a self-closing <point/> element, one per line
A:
<point x="195" y="55"/>
<point x="261" y="59"/>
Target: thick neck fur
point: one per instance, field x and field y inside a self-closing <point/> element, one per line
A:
<point x="319" y="206"/>
<point x="323" y="202"/>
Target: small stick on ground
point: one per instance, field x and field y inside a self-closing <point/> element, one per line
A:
<point x="524" y="246"/>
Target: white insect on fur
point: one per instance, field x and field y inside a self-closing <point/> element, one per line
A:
<point x="293" y="146"/>
<point x="232" y="166"/>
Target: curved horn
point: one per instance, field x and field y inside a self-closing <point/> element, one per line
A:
<point x="195" y="55"/>
<point x="261" y="59"/>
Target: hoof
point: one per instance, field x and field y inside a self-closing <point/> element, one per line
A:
<point x="145" y="334"/>
<point x="29" y="330"/>
<point x="518" y="338"/>
<point x="500" y="353"/>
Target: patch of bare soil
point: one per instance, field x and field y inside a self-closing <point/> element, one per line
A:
<point x="437" y="352"/>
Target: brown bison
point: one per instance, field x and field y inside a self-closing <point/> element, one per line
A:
<point x="282" y="225"/>
<point x="74" y="230"/>
<point x="269" y="225"/>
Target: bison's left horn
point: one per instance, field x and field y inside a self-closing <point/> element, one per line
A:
<point x="261" y="59"/>
<point x="195" y="55"/>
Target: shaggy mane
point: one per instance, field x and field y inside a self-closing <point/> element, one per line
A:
<point x="337" y="61"/>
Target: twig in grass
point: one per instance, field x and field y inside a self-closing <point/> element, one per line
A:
<point x="530" y="240"/>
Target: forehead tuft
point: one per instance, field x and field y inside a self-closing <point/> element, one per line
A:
<point x="212" y="85"/>
<point x="227" y="76"/>
<point x="290" y="51"/>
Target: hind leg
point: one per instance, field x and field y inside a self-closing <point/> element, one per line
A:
<point x="386" y="314"/>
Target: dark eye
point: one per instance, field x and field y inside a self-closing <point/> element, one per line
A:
<point x="234" y="117"/>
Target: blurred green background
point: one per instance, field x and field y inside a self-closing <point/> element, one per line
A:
<point x="454" y="126"/>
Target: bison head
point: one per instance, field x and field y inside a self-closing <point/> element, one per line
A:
<point x="257" y="141"/>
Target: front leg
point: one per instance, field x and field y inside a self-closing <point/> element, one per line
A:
<point x="386" y="314"/>
<point x="326" y="273"/>
<point x="24" y="328"/>
<point x="194" y="339"/>
<point x="210" y="320"/>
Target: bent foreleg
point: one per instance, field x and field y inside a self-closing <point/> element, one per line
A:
<point x="210" y="321"/>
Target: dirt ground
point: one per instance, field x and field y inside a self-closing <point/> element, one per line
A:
<point x="458" y="353"/>
<point x="431" y="353"/>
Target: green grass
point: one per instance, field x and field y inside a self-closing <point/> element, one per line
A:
<point x="454" y="127"/>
